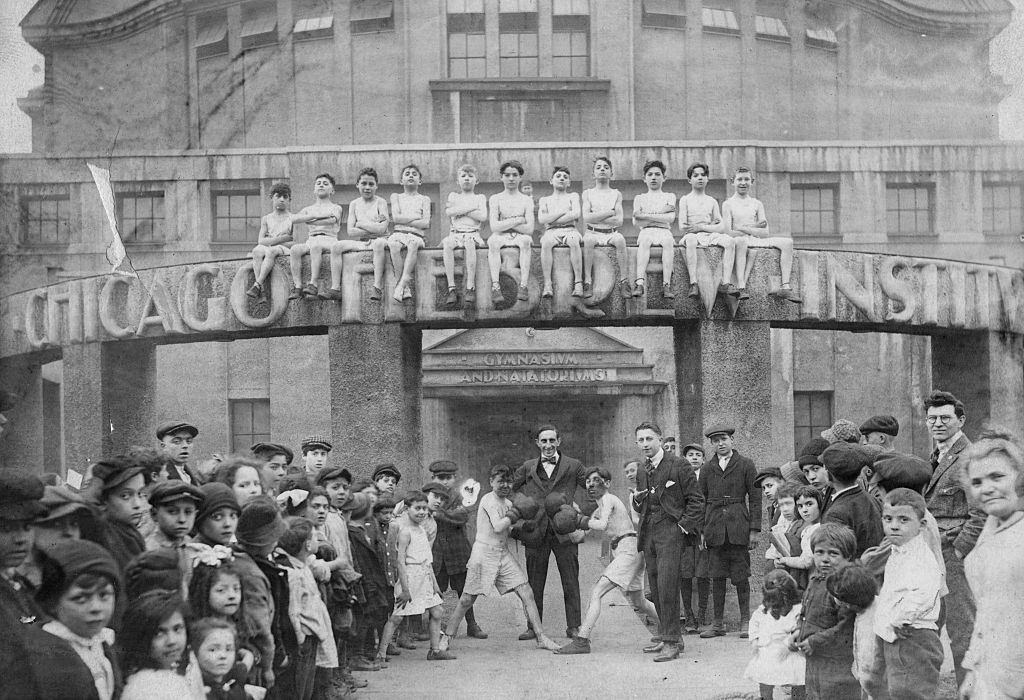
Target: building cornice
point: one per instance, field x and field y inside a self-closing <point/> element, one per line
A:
<point x="979" y="18"/>
<point x="52" y="33"/>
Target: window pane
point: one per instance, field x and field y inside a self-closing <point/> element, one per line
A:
<point x="562" y="66"/>
<point x="528" y="44"/>
<point x="457" y="68"/>
<point x="528" y="67"/>
<point x="476" y="45"/>
<point x="477" y="68"/>
<point x="456" y="45"/>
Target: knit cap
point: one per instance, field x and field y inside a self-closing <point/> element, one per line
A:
<point x="216" y="496"/>
<point x="157" y="569"/>
<point x="260" y="523"/>
<point x="842" y="431"/>
<point x="67" y="560"/>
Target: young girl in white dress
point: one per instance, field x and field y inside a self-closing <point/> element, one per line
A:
<point x="771" y="624"/>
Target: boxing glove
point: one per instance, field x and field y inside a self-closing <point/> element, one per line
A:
<point x="553" y="502"/>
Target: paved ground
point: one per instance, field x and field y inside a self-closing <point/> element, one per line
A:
<point x="503" y="667"/>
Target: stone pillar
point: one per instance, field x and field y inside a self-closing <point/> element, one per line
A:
<point x="21" y="444"/>
<point x="985" y="370"/>
<point x="724" y="374"/>
<point x="109" y="396"/>
<point x="375" y="378"/>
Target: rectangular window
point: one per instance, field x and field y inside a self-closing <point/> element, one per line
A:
<point x="908" y="209"/>
<point x="250" y="423"/>
<point x="570" y="45"/>
<point x="211" y="34"/>
<point x="718" y="21"/>
<point x="372" y="16"/>
<point x="771" y="28"/>
<point x="140" y="217"/>
<point x="1002" y="209"/>
<point x="517" y="39"/>
<point x="236" y="214"/>
<point x="46" y="219"/>
<point x="822" y="38"/>
<point x="812" y="210"/>
<point x="259" y="24"/>
<point x="467" y="43"/>
<point x="812" y="413"/>
<point x="663" y="14"/>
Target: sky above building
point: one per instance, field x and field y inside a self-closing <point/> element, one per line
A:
<point x="21" y="69"/>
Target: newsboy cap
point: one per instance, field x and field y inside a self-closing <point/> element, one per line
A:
<point x="174" y="490"/>
<point x="442" y="466"/>
<point x="316" y="442"/>
<point x="718" y="429"/>
<point x="175" y="426"/>
<point x="881" y="424"/>
<point x="384" y="469"/>
<point x="20" y="496"/>
<point x="269" y="449"/>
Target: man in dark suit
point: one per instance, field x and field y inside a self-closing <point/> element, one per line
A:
<point x="959" y="523"/>
<point x="551" y="473"/>
<point x="732" y="512"/>
<point x="850" y="504"/>
<point x="175" y="438"/>
<point x="671" y="509"/>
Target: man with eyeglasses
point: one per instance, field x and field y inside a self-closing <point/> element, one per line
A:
<point x="959" y="523"/>
<point x="175" y="438"/>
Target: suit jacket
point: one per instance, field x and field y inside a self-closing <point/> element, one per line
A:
<point x="451" y="547"/>
<point x="371" y="562"/>
<point x="569" y="474"/>
<point x="860" y="512"/>
<point x="732" y="501"/>
<point x="959" y="521"/>
<point x="674" y="486"/>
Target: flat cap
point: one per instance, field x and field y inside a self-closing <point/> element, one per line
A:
<point x="810" y="451"/>
<point x="692" y="446"/>
<point x="174" y="490"/>
<point x="20" y="496"/>
<point x="175" y="426"/>
<point x="842" y="431"/>
<point x="331" y="473"/>
<point x="442" y="466"/>
<point x="316" y="442"/>
<point x="266" y="450"/>
<point x="61" y="501"/>
<point x="768" y="472"/>
<point x="844" y="460"/>
<point x="898" y="470"/>
<point x="881" y="424"/>
<point x="436" y="487"/>
<point x="718" y="429"/>
<point x="384" y="469"/>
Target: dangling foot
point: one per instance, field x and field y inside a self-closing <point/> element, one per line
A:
<point x="742" y="293"/>
<point x="666" y="291"/>
<point x="470" y="297"/>
<point x="397" y="296"/>
<point x="577" y="290"/>
<point x="588" y="290"/>
<point x="524" y="294"/>
<point x="497" y="298"/>
<point x="255" y="291"/>
<point x="310" y="291"/>
<point x="407" y="294"/>
<point x="332" y="294"/>
<point x="452" y="297"/>
<point x="625" y="289"/>
<point x="694" y="291"/>
<point x="547" y="293"/>
<point x="294" y="293"/>
<point x="376" y="293"/>
<point x="638" y="290"/>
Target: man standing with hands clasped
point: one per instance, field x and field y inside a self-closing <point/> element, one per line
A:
<point x="551" y="479"/>
<point x="671" y="509"/>
<point x="733" y="513"/>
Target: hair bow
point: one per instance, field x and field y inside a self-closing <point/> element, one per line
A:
<point x="294" y="498"/>
<point x="210" y="556"/>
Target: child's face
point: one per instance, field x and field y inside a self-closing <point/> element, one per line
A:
<point x="699" y="179"/>
<point x="127" y="502"/>
<point x="695" y="458"/>
<point x="602" y="171"/>
<point x="247" y="485"/>
<point x="49" y="533"/>
<point x="596" y="486"/>
<point x="411" y="176"/>
<point x="280" y="201"/>
<point x="722" y="443"/>
<point x="770" y="486"/>
<point x="467" y="181"/>
<point x="322" y="187"/>
<point x="560" y="181"/>
<point x="216" y="653"/>
<point x="337" y="491"/>
<point x="816" y="475"/>
<point x="384" y="516"/>
<point x="318" y="506"/>
<point x="501" y="486"/>
<point x="219" y="527"/>
<point x="742" y="182"/>
<point x="510" y="177"/>
<point x="86" y="610"/>
<point x="386" y="483"/>
<point x="447" y="480"/>
<point x="275" y="469"/>
<point x="901" y="523"/>
<point x="169" y="642"/>
<point x="788" y="508"/>
<point x="828" y="558"/>
<point x="808" y="509"/>
<point x="176" y="518"/>
<point x="418" y="512"/>
<point x="15" y="542"/>
<point x="367" y="186"/>
<point x="314" y="460"/>
<point x="435" y="501"/>
<point x="654" y="178"/>
<point x="226" y="595"/>
<point x="630" y="470"/>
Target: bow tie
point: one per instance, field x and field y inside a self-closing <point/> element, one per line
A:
<point x="553" y="461"/>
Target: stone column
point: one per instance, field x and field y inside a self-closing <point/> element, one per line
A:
<point x="724" y="375"/>
<point x="375" y="379"/>
<point x="985" y="370"/>
<point x="21" y="444"/>
<point x="109" y="394"/>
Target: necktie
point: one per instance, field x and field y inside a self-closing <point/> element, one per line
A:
<point x="649" y="466"/>
<point x="935" y="459"/>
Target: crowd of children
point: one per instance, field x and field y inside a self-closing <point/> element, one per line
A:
<point x="279" y="581"/>
<point x="511" y="215"/>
